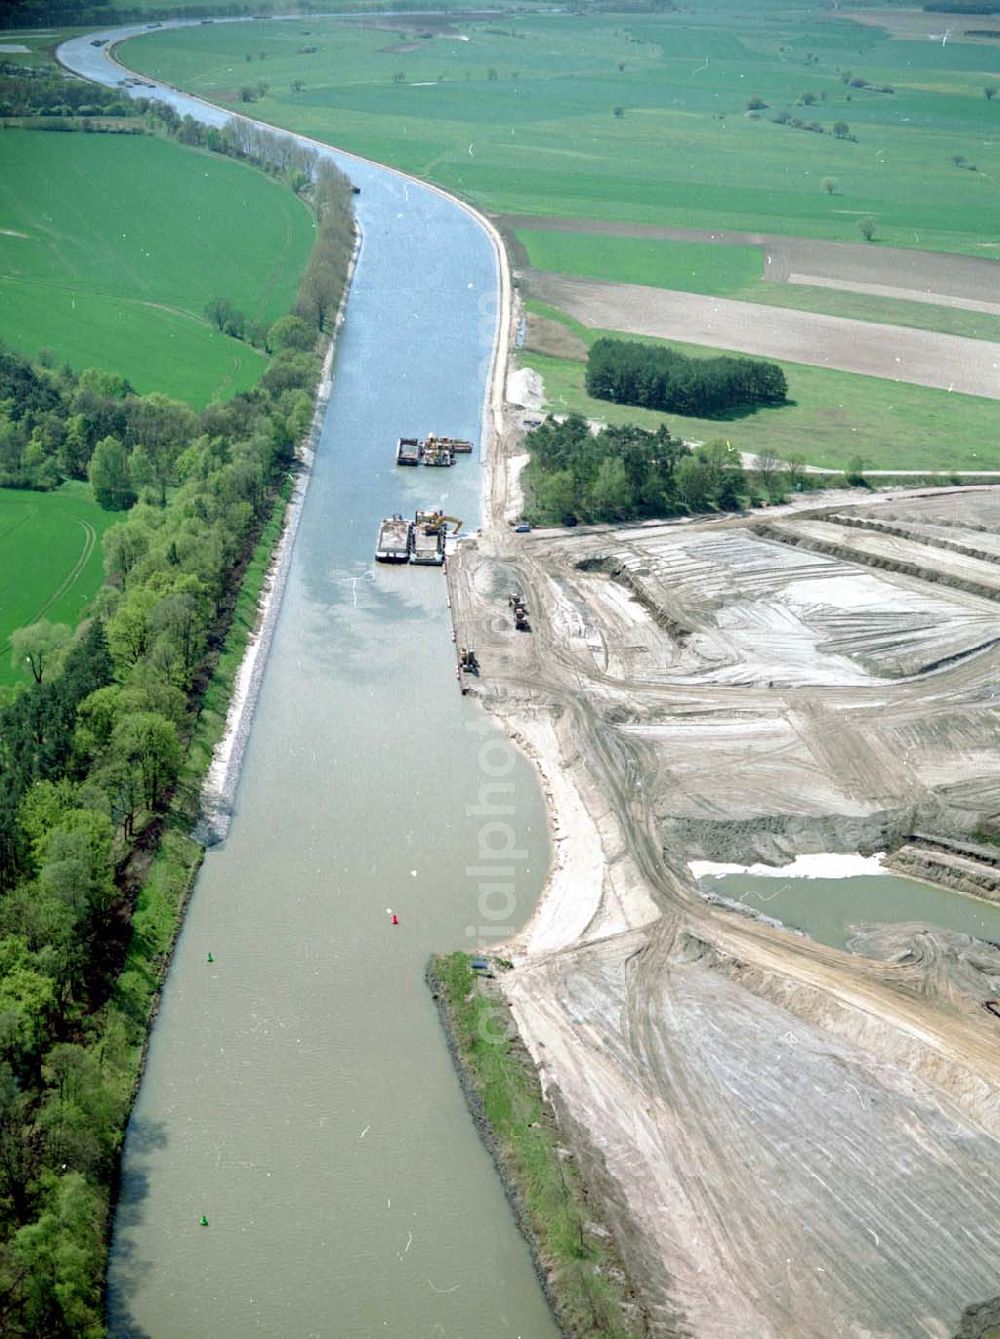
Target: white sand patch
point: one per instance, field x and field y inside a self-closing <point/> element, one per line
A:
<point x="526" y="388"/>
<point x="588" y="894"/>
<point x="826" y="865"/>
<point x="514" y="505"/>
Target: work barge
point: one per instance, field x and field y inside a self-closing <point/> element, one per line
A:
<point x="420" y="541"/>
<point x="435" y="452"/>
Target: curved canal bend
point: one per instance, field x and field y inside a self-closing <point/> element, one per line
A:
<point x="298" y="1092"/>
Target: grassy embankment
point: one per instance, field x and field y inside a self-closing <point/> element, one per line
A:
<point x="580" y="1269"/>
<point x="50" y="559"/>
<point x="110" y="247"/>
<point x="831" y="417"/>
<point x="109" y="250"/>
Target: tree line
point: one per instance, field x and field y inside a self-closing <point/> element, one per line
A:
<point x="307" y="173"/>
<point x="657" y="377"/>
<point x="625" y="473"/>
<point x="90" y="751"/>
<point x="56" y="424"/>
<point x="28" y="92"/>
<point x="86" y="13"/>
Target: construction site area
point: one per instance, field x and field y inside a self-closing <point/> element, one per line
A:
<point x="786" y="1138"/>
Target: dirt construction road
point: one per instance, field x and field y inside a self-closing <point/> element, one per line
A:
<point x="788" y="1140"/>
<point x="898" y="353"/>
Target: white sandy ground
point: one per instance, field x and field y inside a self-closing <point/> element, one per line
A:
<point x="824" y="865"/>
<point x="589" y="893"/>
<point x="525" y="388"/>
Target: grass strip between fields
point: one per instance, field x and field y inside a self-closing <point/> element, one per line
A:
<point x="578" y="1267"/>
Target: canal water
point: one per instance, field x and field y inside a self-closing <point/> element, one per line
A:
<point x="831" y="909"/>
<point x="299" y="1094"/>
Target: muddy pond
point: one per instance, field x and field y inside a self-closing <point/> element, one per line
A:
<point x="830" y="909"/>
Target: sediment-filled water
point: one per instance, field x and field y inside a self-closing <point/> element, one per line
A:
<point x="829" y="909"/>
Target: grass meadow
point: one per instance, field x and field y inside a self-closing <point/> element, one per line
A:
<point x="518" y="113"/>
<point x="111" y="245"/>
<point x="831" y="417"/>
<point x="50" y="559"/>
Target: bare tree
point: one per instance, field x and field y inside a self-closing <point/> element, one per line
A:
<point x="767" y="464"/>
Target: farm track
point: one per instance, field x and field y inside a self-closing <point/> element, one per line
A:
<point x="71" y="578"/>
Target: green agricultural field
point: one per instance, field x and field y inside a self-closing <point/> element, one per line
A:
<point x="111" y="245"/>
<point x="833" y="415"/>
<point x="518" y="113"/>
<point x="50" y="559"/>
<point x="691" y="267"/>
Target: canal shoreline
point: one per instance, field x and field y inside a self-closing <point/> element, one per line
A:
<point x="221" y="780"/>
<point x="488" y="1136"/>
<point x="598" y="1293"/>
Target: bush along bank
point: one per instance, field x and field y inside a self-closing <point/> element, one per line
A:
<point x="575" y="1256"/>
<point x="101" y="759"/>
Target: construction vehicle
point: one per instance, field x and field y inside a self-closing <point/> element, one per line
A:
<point x="437" y="452"/>
<point x="520" y="609"/>
<point x="437" y="520"/>
<point x="456" y="445"/>
<point x="429" y="531"/>
<point x="467" y="661"/>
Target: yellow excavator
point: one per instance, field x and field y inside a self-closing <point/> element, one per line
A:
<point x="433" y="522"/>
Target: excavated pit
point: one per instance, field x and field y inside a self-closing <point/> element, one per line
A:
<point x="787" y="1133"/>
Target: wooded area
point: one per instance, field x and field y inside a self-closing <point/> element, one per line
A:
<point x="657" y="377"/>
<point x="624" y="473"/>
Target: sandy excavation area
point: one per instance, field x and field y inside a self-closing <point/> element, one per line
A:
<point x="897" y="353"/>
<point x="788" y="1140"/>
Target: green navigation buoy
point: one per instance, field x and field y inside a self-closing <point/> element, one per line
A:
<point x="204" y="1221"/>
<point x="210" y="958"/>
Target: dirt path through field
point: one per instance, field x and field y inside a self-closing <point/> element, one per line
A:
<point x="898" y="353"/>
